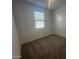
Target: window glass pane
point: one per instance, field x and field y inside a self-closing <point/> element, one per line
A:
<point x="39" y="24"/>
<point x="38" y="15"/>
<point x="39" y="19"/>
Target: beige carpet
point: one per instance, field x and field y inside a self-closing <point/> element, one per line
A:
<point x="50" y="47"/>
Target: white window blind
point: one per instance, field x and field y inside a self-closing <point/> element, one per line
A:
<point x="39" y="19"/>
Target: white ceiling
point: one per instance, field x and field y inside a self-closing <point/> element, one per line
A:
<point x="44" y="3"/>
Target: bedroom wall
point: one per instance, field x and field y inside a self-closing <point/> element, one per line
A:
<point x="15" y="41"/>
<point x="24" y="15"/>
<point x="59" y="21"/>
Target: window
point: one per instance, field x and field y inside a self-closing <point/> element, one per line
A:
<point x="39" y="19"/>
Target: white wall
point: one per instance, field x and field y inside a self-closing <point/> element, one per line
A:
<point x="24" y="14"/>
<point x="15" y="41"/>
<point x="59" y="21"/>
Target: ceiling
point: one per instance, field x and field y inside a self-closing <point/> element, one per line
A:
<point x="44" y="3"/>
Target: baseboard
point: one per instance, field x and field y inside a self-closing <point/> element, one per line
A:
<point x="59" y="36"/>
<point x="44" y="37"/>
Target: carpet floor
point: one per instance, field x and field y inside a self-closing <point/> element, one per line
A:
<point x="49" y="47"/>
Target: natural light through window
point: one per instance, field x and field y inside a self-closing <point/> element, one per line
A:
<point x="39" y="19"/>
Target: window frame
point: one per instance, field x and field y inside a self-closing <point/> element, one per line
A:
<point x="39" y="20"/>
